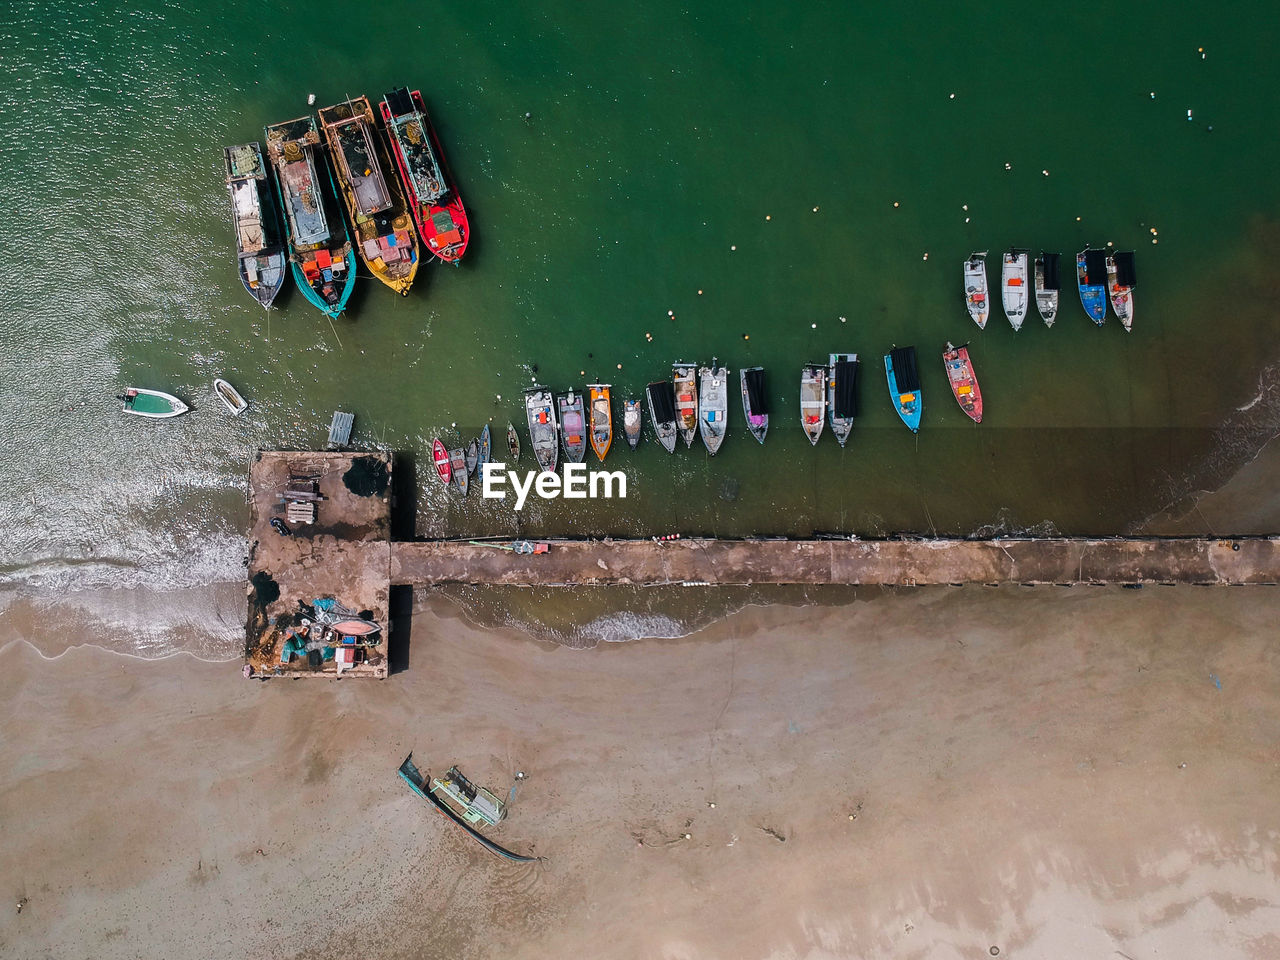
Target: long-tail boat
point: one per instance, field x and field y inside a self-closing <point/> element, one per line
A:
<point x="684" y="381"/>
<point x="964" y="382"/>
<point x="433" y="194"/>
<point x="1091" y="278"/>
<point x="324" y="263"/>
<point x="904" y="385"/>
<point x="601" y="414"/>
<point x="713" y="405"/>
<point x="755" y="401"/>
<point x="842" y="393"/>
<point x="1121" y="278"/>
<point x="813" y="400"/>
<point x="375" y="203"/>
<point x="259" y="239"/>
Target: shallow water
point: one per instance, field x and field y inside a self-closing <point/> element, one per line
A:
<point x="619" y="165"/>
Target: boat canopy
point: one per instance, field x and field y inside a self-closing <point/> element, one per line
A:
<point x="1095" y="265"/>
<point x="1126" y="275"/>
<point x="1051" y="271"/>
<point x="846" y="377"/>
<point x="663" y="397"/>
<point x="755" y="393"/>
<point x="904" y="369"/>
<point x="409" y="130"/>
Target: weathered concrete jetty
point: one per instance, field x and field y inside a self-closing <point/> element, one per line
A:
<point x="320" y="534"/>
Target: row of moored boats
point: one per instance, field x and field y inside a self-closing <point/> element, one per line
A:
<point x="1102" y="277"/>
<point x="387" y="169"/>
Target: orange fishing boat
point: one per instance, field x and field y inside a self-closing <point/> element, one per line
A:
<point x="601" y="418"/>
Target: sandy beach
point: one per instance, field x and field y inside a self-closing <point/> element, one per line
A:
<point x="935" y="773"/>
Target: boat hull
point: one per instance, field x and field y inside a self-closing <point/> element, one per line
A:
<point x="230" y="397"/>
<point x="573" y="427"/>
<point x="152" y="404"/>
<point x="259" y="236"/>
<point x="841" y="427"/>
<point x="1121" y="298"/>
<point x="540" y="414"/>
<point x="907" y="405"/>
<point x="685" y="385"/>
<point x="440" y="455"/>
<point x="976" y="295"/>
<point x="1013" y="286"/>
<point x="1046" y="299"/>
<point x="458" y="470"/>
<point x="632" y="422"/>
<point x="713" y="406"/>
<point x="1093" y="296"/>
<point x="757" y="423"/>
<point x="513" y="443"/>
<point x="964" y="382"/>
<point x="601" y="417"/>
<point x="813" y="401"/>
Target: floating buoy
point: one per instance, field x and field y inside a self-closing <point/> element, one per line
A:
<point x="1153" y="94"/>
<point x="1008" y="166"/>
<point x="768" y="217"/>
<point x="311" y="98"/>
<point x="966" y="219"/>
<point x="964" y="207"/>
<point x="699" y="293"/>
<point x="1077" y="219"/>
<point x="815" y="209"/>
<point x="746" y="336"/>
<point x="1045" y="172"/>
<point x="814" y="326"/>
<point x="844" y="319"/>
<point x="895" y="203"/>
<point x="952" y="97"/>
<point x="925" y="257"/>
<point x="1188" y="114"/>
<point x="734" y="247"/>
<point x="671" y="313"/>
<point x="619" y="366"/>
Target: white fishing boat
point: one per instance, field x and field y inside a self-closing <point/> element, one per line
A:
<point x="1047" y="287"/>
<point x="813" y="400"/>
<point x="975" y="288"/>
<point x="1013" y="286"/>
<point x="230" y="397"/>
<point x="713" y="405"/>
<point x="842" y="387"/>
<point x="544" y="436"/>
<point x="1121" y="277"/>
<point x="152" y="404"/>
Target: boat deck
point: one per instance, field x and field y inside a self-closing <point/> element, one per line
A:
<point x="344" y="554"/>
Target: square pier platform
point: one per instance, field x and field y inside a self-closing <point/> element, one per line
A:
<point x="343" y="553"/>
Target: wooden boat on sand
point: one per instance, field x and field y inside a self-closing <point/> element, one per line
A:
<point x="540" y="412"/>
<point x="375" y="202"/>
<point x="433" y="196"/>
<point x="686" y="389"/>
<point x="1013" y="286"/>
<point x="1121" y="277"/>
<point x="964" y="383"/>
<point x="904" y="385"/>
<point x="713" y="405"/>
<point x="573" y="426"/>
<point x="444" y="470"/>
<point x="230" y="397"/>
<point x="755" y="401"/>
<point x="320" y="252"/>
<point x="1047" y="284"/>
<point x="601" y="419"/>
<point x="976" y="297"/>
<point x="662" y="411"/>
<point x="632" y="421"/>
<point x="1091" y="278"/>
<point x="152" y="404"/>
<point x="842" y="393"/>
<point x="813" y="400"/>
<point x="259" y="239"/>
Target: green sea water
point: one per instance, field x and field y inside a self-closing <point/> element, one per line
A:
<point x="646" y="184"/>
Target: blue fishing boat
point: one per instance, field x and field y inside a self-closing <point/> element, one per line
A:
<point x="1091" y="276"/>
<point x="904" y="384"/>
<point x="324" y="262"/>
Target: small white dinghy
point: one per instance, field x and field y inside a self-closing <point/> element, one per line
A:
<point x="152" y="404"/>
<point x="230" y="397"/>
<point x="1013" y="286"/>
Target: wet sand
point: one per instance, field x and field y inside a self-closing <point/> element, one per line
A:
<point x="1052" y="772"/>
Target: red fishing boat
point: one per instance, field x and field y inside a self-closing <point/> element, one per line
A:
<point x="433" y="196"/>
<point x="964" y="383"/>
<point x="441" y="456"/>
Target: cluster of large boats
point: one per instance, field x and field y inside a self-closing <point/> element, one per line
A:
<point x="695" y="402"/>
<point x="1102" y="276"/>
<point x="398" y="200"/>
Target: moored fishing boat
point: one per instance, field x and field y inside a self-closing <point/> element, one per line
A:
<point x="375" y="202"/>
<point x="513" y="443"/>
<point x="320" y="252"/>
<point x="230" y="397"/>
<point x="1047" y="284"/>
<point x="1091" y="276"/>
<point x="458" y="470"/>
<point x="842" y="393"/>
<point x="1121" y="277"/>
<point x="540" y="412"/>
<point x="662" y="411"/>
<point x="904" y="385"/>
<point x="432" y="193"/>
<point x="813" y="400"/>
<point x="601" y="418"/>
<point x="632" y="421"/>
<point x="713" y="405"/>
<point x="976" y="297"/>
<point x="964" y="382"/>
<point x="152" y="404"/>
<point x="472" y="456"/>
<point x="683" y="380"/>
<point x="755" y="401"/>
<point x="259" y="239"/>
<point x="486" y="448"/>
<point x="1013" y="286"/>
<point x="573" y="426"/>
<point x="440" y="455"/>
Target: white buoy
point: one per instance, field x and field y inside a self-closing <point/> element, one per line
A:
<point x="311" y="98"/>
